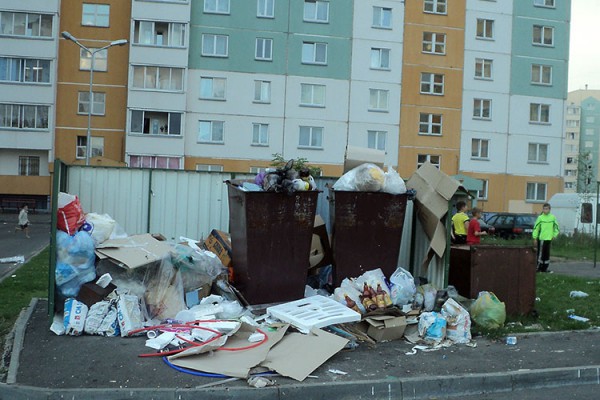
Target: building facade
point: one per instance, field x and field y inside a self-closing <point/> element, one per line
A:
<point x="477" y="87"/>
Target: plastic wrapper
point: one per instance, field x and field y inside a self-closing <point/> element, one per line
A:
<point x="429" y="293"/>
<point x="366" y="177"/>
<point x="350" y="288"/>
<point x="432" y="327"/>
<point x="164" y="295"/>
<point x="102" y="319"/>
<point x="74" y="317"/>
<point x="99" y="226"/>
<point x="393" y="183"/>
<point x="129" y="314"/>
<point x="458" y="328"/>
<point x="488" y="311"/>
<point x="197" y="268"/>
<point x="402" y="287"/>
<point x="70" y="216"/>
<point x="74" y="262"/>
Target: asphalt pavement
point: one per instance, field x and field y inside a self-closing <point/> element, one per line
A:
<point x="46" y="366"/>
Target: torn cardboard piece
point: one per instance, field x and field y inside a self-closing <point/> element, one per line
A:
<point x="134" y="251"/>
<point x="298" y="355"/>
<point x="385" y="327"/>
<point x="320" y="249"/>
<point x="434" y="189"/>
<point x="233" y="363"/>
<point x="356" y="156"/>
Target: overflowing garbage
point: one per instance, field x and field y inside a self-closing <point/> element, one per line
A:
<point x="182" y="296"/>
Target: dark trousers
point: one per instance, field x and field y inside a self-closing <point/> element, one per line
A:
<point x="543" y="255"/>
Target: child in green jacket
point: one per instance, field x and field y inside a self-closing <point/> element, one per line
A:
<point x="544" y="230"/>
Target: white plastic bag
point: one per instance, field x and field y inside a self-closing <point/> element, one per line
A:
<point x="432" y="327"/>
<point x="366" y="177"/>
<point x="458" y="328"/>
<point x="393" y="183"/>
<point x="402" y="287"/>
<point x="100" y="226"/>
<point x="429" y="293"/>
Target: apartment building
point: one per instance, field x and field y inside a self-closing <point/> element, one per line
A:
<point x="571" y="144"/>
<point x="28" y="60"/>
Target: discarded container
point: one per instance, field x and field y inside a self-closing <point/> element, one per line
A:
<point x="367" y="230"/>
<point x="511" y="340"/>
<point x="271" y="236"/>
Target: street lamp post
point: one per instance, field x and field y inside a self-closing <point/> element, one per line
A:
<point x="92" y="53"/>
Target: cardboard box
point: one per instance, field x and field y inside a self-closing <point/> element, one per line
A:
<point x="219" y="242"/>
<point x="384" y="327"/>
<point x="320" y="249"/>
<point x="193" y="297"/>
<point x="356" y="156"/>
<point x="134" y="251"/>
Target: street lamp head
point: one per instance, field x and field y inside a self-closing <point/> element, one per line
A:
<point x="68" y="36"/>
<point x="120" y="42"/>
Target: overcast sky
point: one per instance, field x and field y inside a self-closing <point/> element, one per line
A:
<point x="584" y="57"/>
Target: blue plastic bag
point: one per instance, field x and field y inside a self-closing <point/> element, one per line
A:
<point x="74" y="262"/>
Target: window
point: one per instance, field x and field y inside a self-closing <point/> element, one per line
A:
<point x="212" y="88"/>
<point x="265" y="8"/>
<point x="209" y="167"/>
<point x="167" y="34"/>
<point x="262" y="91"/>
<point x="312" y="95"/>
<point x="158" y="78"/>
<point x="25" y="70"/>
<point x="23" y="24"/>
<point x="543" y="35"/>
<point x="430" y="124"/>
<point x="433" y="159"/>
<point x="98" y="103"/>
<point x="264" y="49"/>
<point x="483" y="193"/>
<point x="155" y="122"/>
<point x="589" y="131"/>
<point x="571" y="135"/>
<point x="536" y="191"/>
<point x="378" y="99"/>
<point x="483" y="68"/>
<point x="216" y="6"/>
<point x="95" y="15"/>
<point x="432" y="84"/>
<point x="570" y="160"/>
<point x="260" y="134"/>
<point x="163" y="162"/>
<point x="257" y="170"/>
<point x="543" y="3"/>
<point x="539" y="113"/>
<point x="21" y="116"/>
<point x="482" y="108"/>
<point x="537" y="153"/>
<point x="485" y="28"/>
<point x="573" y="110"/>
<point x="215" y="45"/>
<point x="211" y="132"/>
<point x="311" y="136"/>
<point x="29" y="165"/>
<point x="376" y="140"/>
<point x="100" y="60"/>
<point x="434" y="6"/>
<point x="380" y="58"/>
<point x="541" y="74"/>
<point x="569" y="185"/>
<point x="480" y="148"/>
<point x="316" y="11"/>
<point x="434" y="43"/>
<point x="589" y="119"/>
<point x="382" y="17"/>
<point x="314" y="53"/>
<point x="97" y="147"/>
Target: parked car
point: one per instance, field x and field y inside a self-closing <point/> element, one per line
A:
<point x="512" y="225"/>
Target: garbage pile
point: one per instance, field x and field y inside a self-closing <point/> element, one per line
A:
<point x="286" y="179"/>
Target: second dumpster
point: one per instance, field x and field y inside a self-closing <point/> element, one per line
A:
<point x="367" y="231"/>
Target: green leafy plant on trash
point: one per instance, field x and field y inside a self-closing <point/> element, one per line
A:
<point x="299" y="163"/>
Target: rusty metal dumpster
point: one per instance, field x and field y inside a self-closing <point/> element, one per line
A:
<point x="271" y="237"/>
<point x="367" y="232"/>
<point x="508" y="271"/>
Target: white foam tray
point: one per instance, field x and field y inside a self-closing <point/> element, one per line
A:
<point x="313" y="312"/>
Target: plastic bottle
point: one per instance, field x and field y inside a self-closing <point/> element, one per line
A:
<point x="368" y="303"/>
<point x="511" y="340"/>
<point x="386" y="297"/>
<point x="351" y="304"/>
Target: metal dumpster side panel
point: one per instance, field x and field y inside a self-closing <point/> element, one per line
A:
<point x="271" y="236"/>
<point x="508" y="271"/>
<point x="367" y="232"/>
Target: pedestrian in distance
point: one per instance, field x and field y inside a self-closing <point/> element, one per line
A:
<point x="474" y="231"/>
<point x="460" y="224"/>
<point x="23" y="221"/>
<point x="544" y="231"/>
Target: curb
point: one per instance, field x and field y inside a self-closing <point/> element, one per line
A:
<point x="18" y="338"/>
<point x="396" y="388"/>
